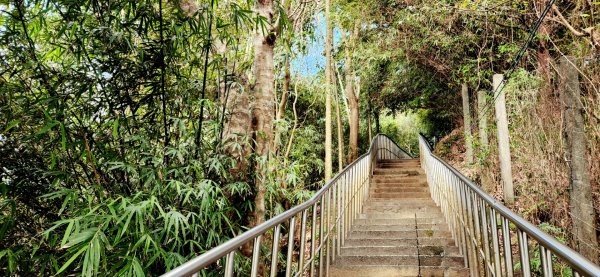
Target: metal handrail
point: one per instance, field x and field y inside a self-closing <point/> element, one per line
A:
<point x="483" y="227"/>
<point x="335" y="206"/>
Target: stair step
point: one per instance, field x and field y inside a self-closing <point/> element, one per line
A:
<point x="399" y="161"/>
<point x="406" y="166"/>
<point x="399" y="179"/>
<point x="401" y="231"/>
<point x="399" y="185"/>
<point x="396" y="172"/>
<point x="398" y="221"/>
<point x="378" y="189"/>
<point x="402" y="209"/>
<point x="424" y="195"/>
<point x="400" y="260"/>
<point x="400" y="202"/>
<point x="399" y="242"/>
<point x="408" y="234"/>
<point x="395" y="250"/>
<point x="406" y="227"/>
<point x="396" y="271"/>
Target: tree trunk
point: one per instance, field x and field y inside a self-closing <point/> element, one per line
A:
<point x="340" y="131"/>
<point x="263" y="112"/>
<point x="237" y="127"/>
<point x="582" y="209"/>
<point x="328" y="135"/>
<point x="353" y="106"/>
<point x="377" y="122"/>
<point x="282" y="104"/>
<point x="291" y="139"/>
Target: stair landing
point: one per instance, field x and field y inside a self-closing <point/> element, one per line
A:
<point x="401" y="231"/>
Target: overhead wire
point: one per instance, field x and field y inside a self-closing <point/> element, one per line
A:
<point x="517" y="59"/>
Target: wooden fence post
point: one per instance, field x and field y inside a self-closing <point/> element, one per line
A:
<point x="467" y="124"/>
<point x="582" y="209"/>
<point x="503" y="141"/>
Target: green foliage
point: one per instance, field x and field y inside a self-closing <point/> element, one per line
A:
<point x="101" y="173"/>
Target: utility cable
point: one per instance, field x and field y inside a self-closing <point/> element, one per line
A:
<point x="517" y="58"/>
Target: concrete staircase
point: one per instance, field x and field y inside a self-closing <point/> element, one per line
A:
<point x="401" y="231"/>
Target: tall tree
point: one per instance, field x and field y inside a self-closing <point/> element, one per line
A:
<point x="582" y="208"/>
<point x="340" y="125"/>
<point x="328" y="133"/>
<point x="264" y="95"/>
<point x="352" y="96"/>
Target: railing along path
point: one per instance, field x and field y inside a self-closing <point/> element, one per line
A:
<point x="329" y="215"/>
<point x="485" y="230"/>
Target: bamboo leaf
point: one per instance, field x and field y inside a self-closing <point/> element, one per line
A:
<point x="70" y="261"/>
<point x="47" y="128"/>
<point x="12" y="124"/>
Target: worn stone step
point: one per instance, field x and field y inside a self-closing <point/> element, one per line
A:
<point x="399" y="171"/>
<point x="399" y="178"/>
<point x="421" y="260"/>
<point x="401" y="215"/>
<point x="400" y="234"/>
<point x="397" y="189"/>
<point x="396" y="271"/>
<point x="411" y="165"/>
<point x="399" y="161"/>
<point x="398" y="221"/>
<point x="400" y="250"/>
<point x="399" y="227"/>
<point x="424" y="195"/>
<point x="379" y="204"/>
<point x="400" y="202"/>
<point x="424" y="241"/>
<point x="404" y="165"/>
<point x="398" y="185"/>
<point x="402" y="209"/>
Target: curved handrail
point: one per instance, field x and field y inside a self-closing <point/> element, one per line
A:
<point x="353" y="179"/>
<point x="406" y="154"/>
<point x="471" y="211"/>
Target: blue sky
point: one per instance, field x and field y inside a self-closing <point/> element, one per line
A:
<point x="313" y="61"/>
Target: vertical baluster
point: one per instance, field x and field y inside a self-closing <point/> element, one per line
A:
<point x="508" y="263"/>
<point x="347" y="201"/>
<point x="496" y="245"/>
<point x="290" y="250"/>
<point x="255" y="256"/>
<point x="302" y="242"/>
<point x="329" y="241"/>
<point x="313" y="237"/>
<point x="485" y="232"/>
<point x="321" y="232"/>
<point x="229" y="264"/>
<point x="475" y="236"/>
<point x="478" y="233"/>
<point x="575" y="273"/>
<point x="524" y="253"/>
<point x="339" y="214"/>
<point x="351" y="196"/>
<point x="463" y="228"/>
<point x="546" y="258"/>
<point x="275" y="251"/>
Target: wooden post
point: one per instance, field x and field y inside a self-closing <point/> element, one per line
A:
<point x="483" y="137"/>
<point x="582" y="209"/>
<point x="467" y="124"/>
<point x="503" y="141"/>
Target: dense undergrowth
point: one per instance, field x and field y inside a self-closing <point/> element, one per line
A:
<point x="540" y="169"/>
